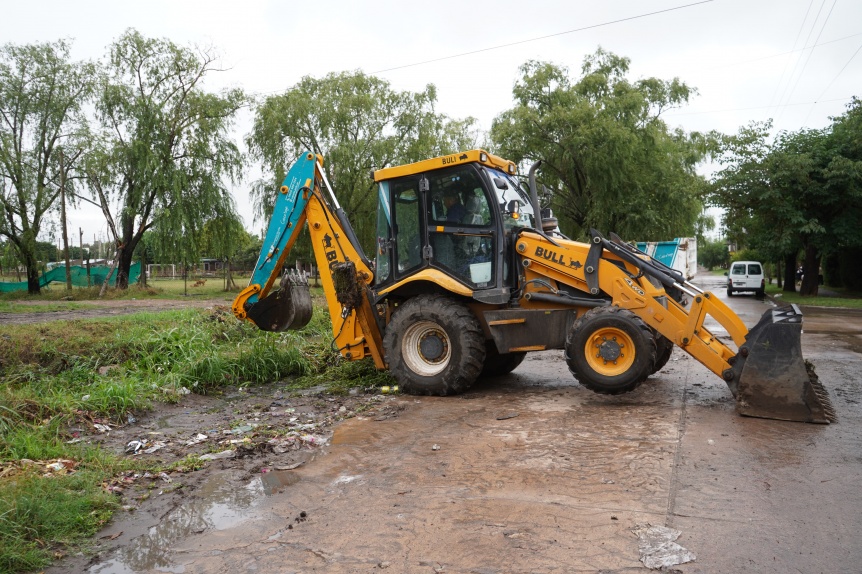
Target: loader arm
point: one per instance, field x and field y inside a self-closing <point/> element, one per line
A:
<point x="344" y="271"/>
<point x="766" y="373"/>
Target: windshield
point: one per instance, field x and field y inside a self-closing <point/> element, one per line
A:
<point x="514" y="201"/>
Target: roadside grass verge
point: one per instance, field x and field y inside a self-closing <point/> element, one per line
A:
<point x="820" y="301"/>
<point x="60" y="379"/>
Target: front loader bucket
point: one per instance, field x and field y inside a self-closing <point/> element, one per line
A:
<point x="769" y="377"/>
<point x="286" y="308"/>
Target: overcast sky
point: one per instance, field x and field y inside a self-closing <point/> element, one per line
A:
<point x="795" y="61"/>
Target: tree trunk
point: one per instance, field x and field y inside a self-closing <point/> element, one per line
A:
<point x="108" y="277"/>
<point x="124" y="265"/>
<point x="790" y="273"/>
<point x="778" y="273"/>
<point x="33" y="277"/>
<point x="811" y="272"/>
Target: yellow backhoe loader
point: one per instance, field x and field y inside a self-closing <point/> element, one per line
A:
<point x="469" y="275"/>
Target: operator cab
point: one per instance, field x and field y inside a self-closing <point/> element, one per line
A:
<point x="448" y="214"/>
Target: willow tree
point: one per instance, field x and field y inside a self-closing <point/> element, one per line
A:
<point x="358" y="123"/>
<point x="41" y="94"/>
<point x="162" y="152"/>
<point x="611" y="160"/>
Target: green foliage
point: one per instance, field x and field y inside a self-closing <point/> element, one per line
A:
<point x="63" y="510"/>
<point x="41" y="96"/>
<point x="712" y="254"/>
<point x="161" y="150"/>
<point x="358" y="123"/>
<point x="610" y="159"/>
<point x="803" y="191"/>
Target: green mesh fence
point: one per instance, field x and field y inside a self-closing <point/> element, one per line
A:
<point x="79" y="277"/>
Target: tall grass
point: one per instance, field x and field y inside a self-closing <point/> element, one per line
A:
<point x="55" y="376"/>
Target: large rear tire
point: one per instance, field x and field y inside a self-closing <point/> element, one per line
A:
<point x="610" y="350"/>
<point x="498" y="364"/>
<point x="434" y="346"/>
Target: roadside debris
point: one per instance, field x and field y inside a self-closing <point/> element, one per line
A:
<point x="219" y="455"/>
<point x="657" y="546"/>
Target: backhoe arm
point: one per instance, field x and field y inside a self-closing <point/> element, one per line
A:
<point x="344" y="271"/>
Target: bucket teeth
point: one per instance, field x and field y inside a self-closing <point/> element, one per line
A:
<point x="821" y="393"/>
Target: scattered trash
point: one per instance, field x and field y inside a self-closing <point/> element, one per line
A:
<point x="102" y="428"/>
<point x="111" y="536"/>
<point x="657" y="547"/>
<point x="158" y="445"/>
<point x="85" y="398"/>
<point x="199" y="438"/>
<point x="164" y="476"/>
<point x="241" y="429"/>
<point x="55" y="466"/>
<point x="134" y="446"/>
<point x="607" y="481"/>
<point x="387" y="390"/>
<point x="219" y="455"/>
<point x="507" y="416"/>
<point x="710" y="442"/>
<point x="131" y="419"/>
<point x="435" y="447"/>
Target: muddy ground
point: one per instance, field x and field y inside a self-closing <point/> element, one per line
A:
<point x="524" y="473"/>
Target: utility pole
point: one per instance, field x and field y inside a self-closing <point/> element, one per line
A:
<point x="63" y="221"/>
<point x="81" y="239"/>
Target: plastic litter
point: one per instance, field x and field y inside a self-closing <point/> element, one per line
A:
<point x="199" y="438"/>
<point x="135" y="446"/>
<point x="219" y="455"/>
<point x="657" y="547"/>
<point x="158" y="445"/>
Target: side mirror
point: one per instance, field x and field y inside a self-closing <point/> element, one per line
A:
<point x="514" y="207"/>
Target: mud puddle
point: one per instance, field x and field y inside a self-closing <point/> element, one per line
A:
<point x="219" y="504"/>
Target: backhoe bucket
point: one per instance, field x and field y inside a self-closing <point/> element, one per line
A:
<point x="769" y="377"/>
<point x="286" y="308"/>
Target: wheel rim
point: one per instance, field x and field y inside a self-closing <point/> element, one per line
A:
<point x="426" y="348"/>
<point x="610" y="351"/>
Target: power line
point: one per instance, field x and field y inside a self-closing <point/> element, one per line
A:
<point x="479" y="51"/>
<point x="808" y="59"/>
<point x="798" y="34"/>
<point x="671" y="114"/>
<point x="740" y="62"/>
<point x="829" y="85"/>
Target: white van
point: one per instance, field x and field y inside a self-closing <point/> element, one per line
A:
<point x="746" y="276"/>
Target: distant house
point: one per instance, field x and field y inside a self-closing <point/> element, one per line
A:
<point x="211" y="265"/>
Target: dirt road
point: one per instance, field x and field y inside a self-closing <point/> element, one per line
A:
<point x="99" y="309"/>
<point x="533" y="473"/>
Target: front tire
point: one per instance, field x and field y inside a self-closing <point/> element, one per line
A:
<point x="434" y="346"/>
<point x="610" y="350"/>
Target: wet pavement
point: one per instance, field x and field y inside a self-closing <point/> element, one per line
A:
<point x="532" y="473"/>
